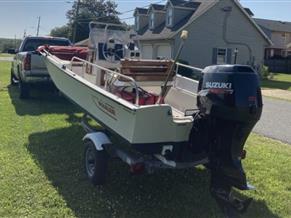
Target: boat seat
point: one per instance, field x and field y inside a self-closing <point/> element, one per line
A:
<point x="177" y="113"/>
<point x="181" y="100"/>
<point x="146" y="70"/>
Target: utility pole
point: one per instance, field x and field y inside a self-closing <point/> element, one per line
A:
<point x="15" y="41"/>
<point x="38" y="25"/>
<point x="76" y="22"/>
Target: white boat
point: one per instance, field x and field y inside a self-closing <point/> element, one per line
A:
<point x="137" y="124"/>
<point x="167" y="126"/>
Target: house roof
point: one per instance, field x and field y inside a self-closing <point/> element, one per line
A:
<point x="184" y="4"/>
<point x="274" y="25"/>
<point x="141" y="11"/>
<point x="162" y="32"/>
<point x="249" y="11"/>
<point x="157" y="7"/>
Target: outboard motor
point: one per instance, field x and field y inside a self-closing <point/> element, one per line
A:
<point x="230" y="104"/>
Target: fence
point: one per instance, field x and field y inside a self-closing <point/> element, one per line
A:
<point x="279" y="65"/>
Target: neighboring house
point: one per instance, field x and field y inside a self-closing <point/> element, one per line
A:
<point x="217" y="29"/>
<point x="280" y="34"/>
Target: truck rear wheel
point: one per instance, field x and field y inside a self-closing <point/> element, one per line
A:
<point x="23" y="90"/>
<point x="95" y="163"/>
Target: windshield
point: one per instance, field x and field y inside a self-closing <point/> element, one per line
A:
<point x="33" y="44"/>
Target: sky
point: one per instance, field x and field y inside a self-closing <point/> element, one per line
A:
<point x="17" y="16"/>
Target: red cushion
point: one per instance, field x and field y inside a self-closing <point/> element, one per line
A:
<point x="145" y="98"/>
<point x="65" y="52"/>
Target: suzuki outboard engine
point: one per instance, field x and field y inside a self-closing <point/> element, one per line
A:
<point x="230" y="104"/>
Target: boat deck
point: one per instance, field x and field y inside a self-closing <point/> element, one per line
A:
<point x="180" y="99"/>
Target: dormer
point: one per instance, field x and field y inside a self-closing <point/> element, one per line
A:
<point x="156" y="15"/>
<point x="177" y="10"/>
<point x="249" y="12"/>
<point x="141" y="18"/>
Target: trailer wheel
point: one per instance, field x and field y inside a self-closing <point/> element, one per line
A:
<point x="23" y="89"/>
<point x="95" y="163"/>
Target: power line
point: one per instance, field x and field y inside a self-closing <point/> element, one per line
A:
<point x="124" y="12"/>
<point x="126" y="18"/>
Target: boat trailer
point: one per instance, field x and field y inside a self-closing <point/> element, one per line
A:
<point x="231" y="205"/>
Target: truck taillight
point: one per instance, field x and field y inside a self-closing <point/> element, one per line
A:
<point x="27" y="62"/>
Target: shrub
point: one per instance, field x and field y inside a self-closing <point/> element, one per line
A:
<point x="265" y="73"/>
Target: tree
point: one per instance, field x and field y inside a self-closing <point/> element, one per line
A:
<point x="91" y="10"/>
<point x="6" y="44"/>
<point x="63" y="31"/>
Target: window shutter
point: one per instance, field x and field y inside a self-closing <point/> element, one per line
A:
<point x="229" y="56"/>
<point x="214" y="56"/>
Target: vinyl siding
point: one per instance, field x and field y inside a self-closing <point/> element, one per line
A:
<point x="179" y="14"/>
<point x="206" y="33"/>
<point x="160" y="17"/>
<point x="279" y="40"/>
<point x="143" y="21"/>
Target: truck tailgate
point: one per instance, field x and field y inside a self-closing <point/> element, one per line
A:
<point x="37" y="64"/>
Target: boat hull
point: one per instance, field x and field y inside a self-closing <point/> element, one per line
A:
<point x="138" y="125"/>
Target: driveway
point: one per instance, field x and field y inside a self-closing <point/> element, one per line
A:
<point x="276" y="120"/>
<point x="6" y="58"/>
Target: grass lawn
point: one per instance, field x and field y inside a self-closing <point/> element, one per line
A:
<point x="280" y="81"/>
<point x="6" y="55"/>
<point x="41" y="170"/>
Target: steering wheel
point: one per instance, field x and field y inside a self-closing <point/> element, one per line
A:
<point x="109" y="49"/>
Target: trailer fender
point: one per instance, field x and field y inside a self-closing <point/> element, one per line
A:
<point x="99" y="139"/>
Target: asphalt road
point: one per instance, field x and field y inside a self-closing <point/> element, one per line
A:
<point x="276" y="120"/>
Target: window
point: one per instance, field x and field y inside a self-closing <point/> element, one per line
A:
<point x="137" y="23"/>
<point x="284" y="53"/>
<point x="272" y="53"/>
<point x="152" y="19"/>
<point x="32" y="44"/>
<point x="285" y="37"/>
<point x="170" y="17"/>
<point x="221" y="56"/>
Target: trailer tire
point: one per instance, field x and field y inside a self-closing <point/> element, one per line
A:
<point x="96" y="163"/>
<point x="23" y="90"/>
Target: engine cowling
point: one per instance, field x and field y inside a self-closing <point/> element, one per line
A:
<point x="230" y="100"/>
<point x="231" y="92"/>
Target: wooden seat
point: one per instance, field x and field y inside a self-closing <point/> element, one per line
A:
<point x="146" y="70"/>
